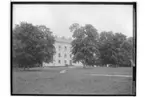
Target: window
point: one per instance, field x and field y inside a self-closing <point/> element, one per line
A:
<point x="59" y="61"/>
<point x="70" y="62"/>
<point x="59" y="55"/>
<point x="59" y="48"/>
<point x="65" y="55"/>
<point x="53" y="60"/>
<point x="65" y="48"/>
<point x="65" y="61"/>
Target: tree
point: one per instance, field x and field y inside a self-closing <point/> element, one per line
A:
<point x="106" y="48"/>
<point x="32" y="45"/>
<point x="129" y="46"/>
<point x="85" y="44"/>
<point x="115" y="49"/>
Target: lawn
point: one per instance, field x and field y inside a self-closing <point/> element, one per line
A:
<point x="73" y="81"/>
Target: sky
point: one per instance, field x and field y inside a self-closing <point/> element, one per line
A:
<point x="116" y="18"/>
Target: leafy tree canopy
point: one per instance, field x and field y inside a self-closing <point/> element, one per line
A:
<point x="32" y="45"/>
<point x="84" y="45"/>
<point x="92" y="48"/>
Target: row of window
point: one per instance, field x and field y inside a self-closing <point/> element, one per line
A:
<point x="65" y="47"/>
<point x="65" y="55"/>
<point x="59" y="61"/>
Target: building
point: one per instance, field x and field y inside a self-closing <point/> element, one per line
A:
<point x="63" y="56"/>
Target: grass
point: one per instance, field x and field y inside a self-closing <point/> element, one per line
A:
<point x="74" y="81"/>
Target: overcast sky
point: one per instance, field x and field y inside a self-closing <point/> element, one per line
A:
<point x="116" y="18"/>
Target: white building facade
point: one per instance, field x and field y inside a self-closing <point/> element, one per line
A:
<point x="63" y="56"/>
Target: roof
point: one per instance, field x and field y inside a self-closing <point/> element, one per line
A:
<point x="63" y="40"/>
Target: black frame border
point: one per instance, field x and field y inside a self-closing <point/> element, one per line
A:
<point x="77" y="3"/>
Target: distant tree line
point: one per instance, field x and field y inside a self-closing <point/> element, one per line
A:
<point x="34" y="44"/>
<point x="91" y="48"/>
